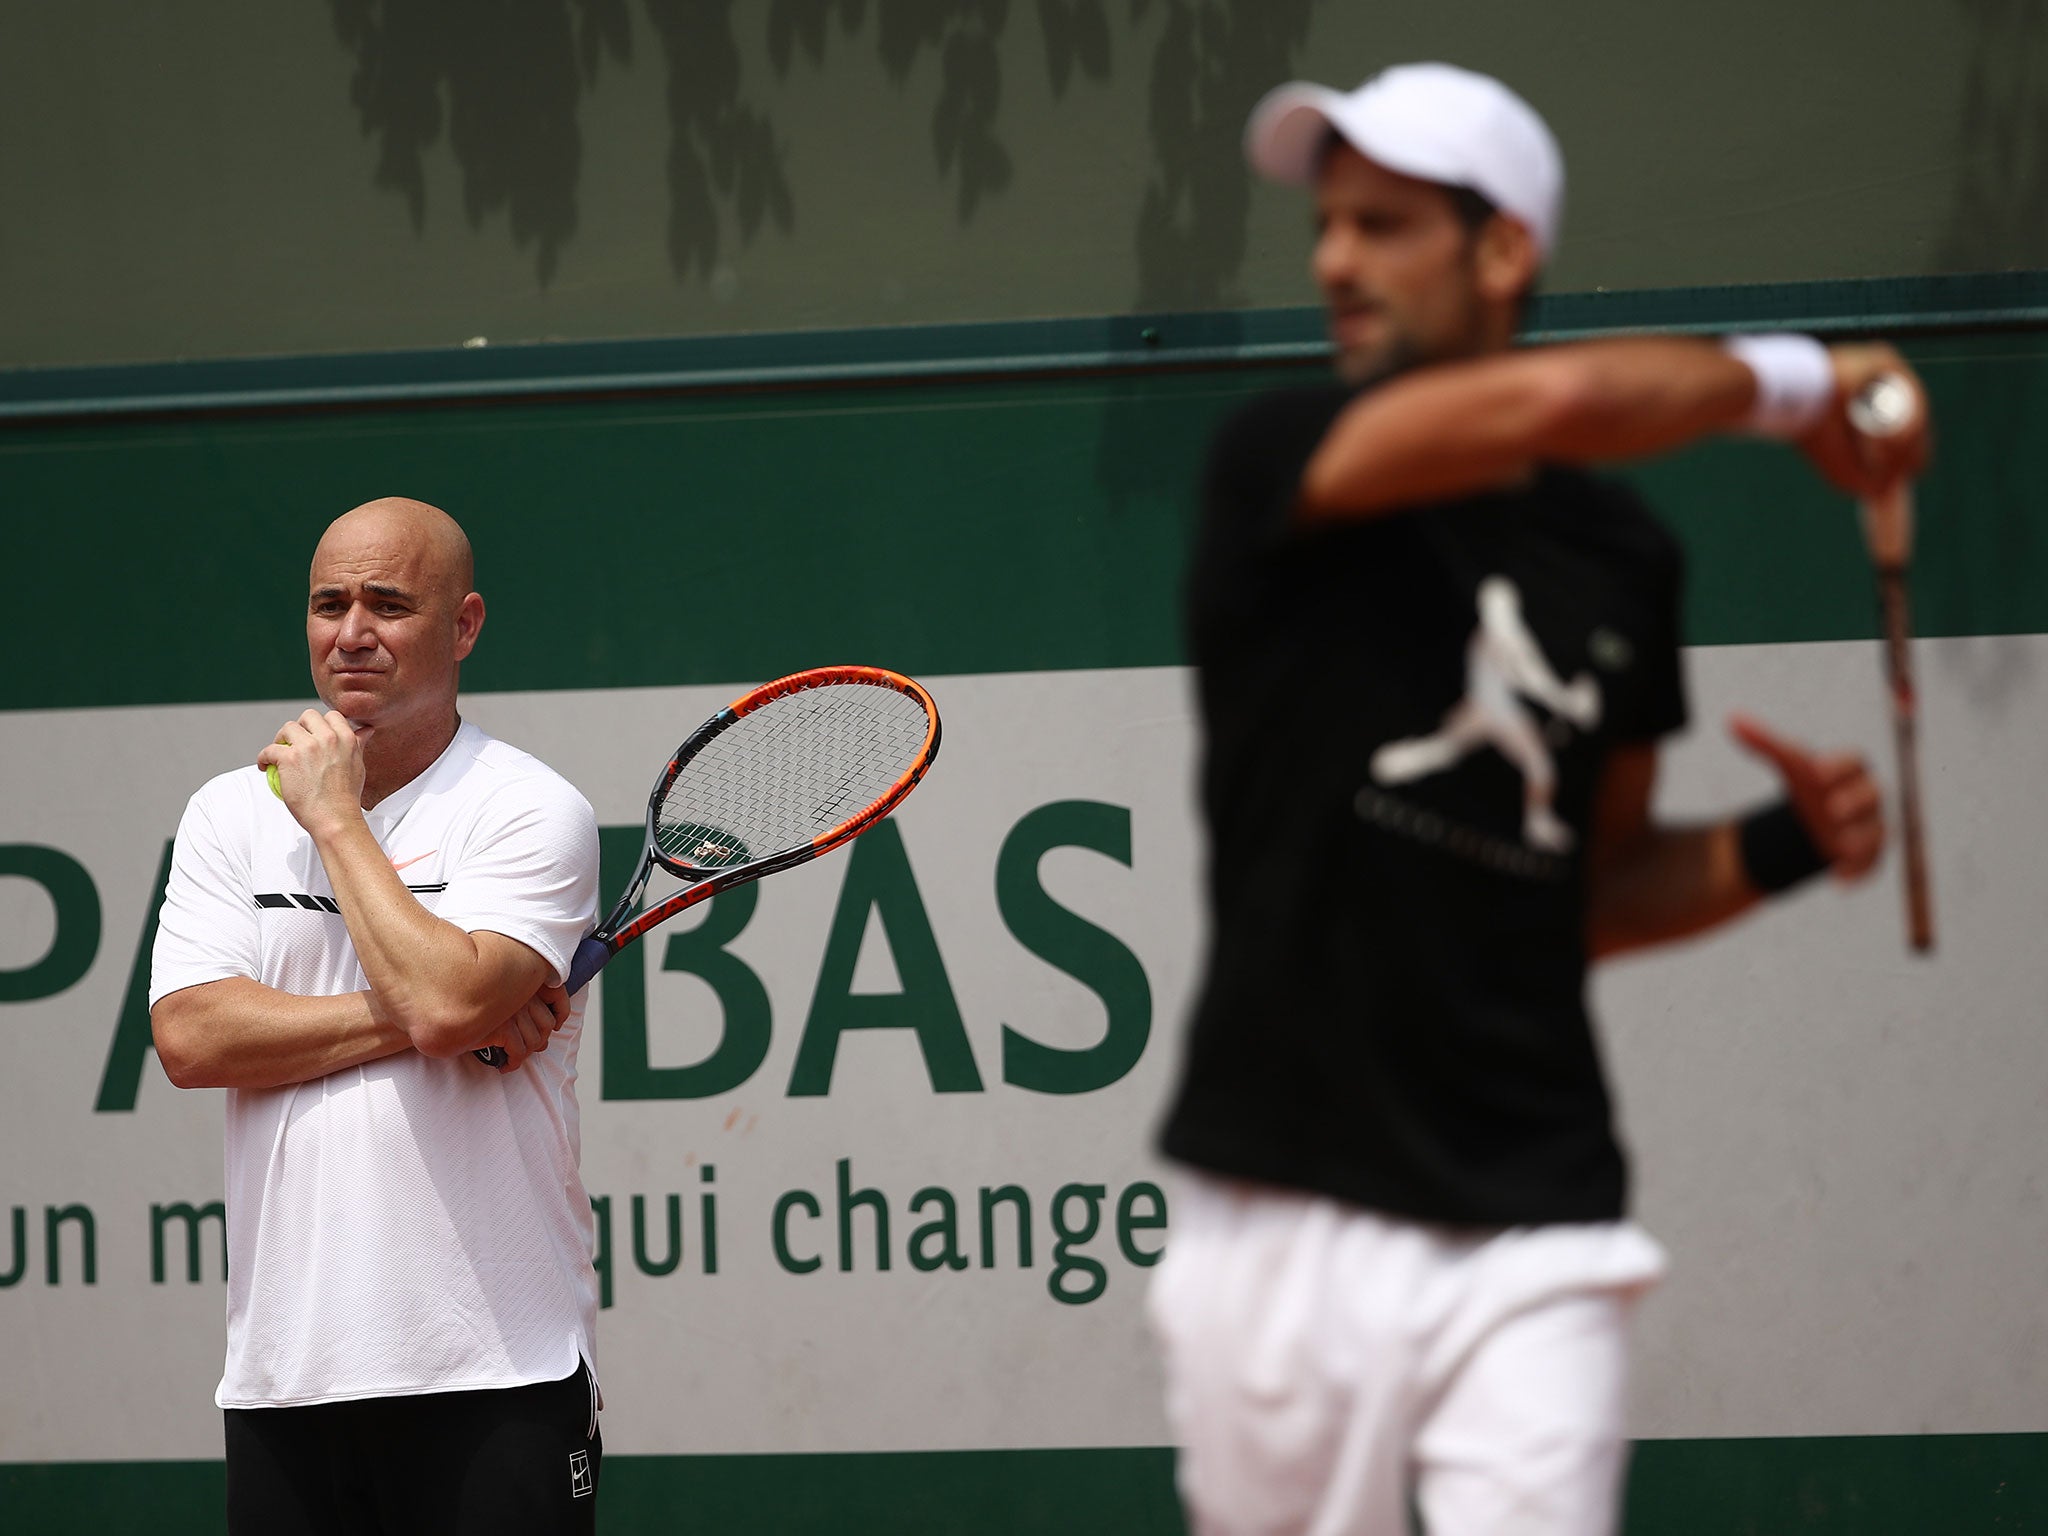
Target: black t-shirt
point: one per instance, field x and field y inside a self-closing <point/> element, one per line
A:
<point x="1406" y="719"/>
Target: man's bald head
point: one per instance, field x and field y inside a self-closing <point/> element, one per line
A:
<point x="390" y="616"/>
<point x="398" y="524"/>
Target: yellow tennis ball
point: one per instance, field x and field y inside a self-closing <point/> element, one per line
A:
<point x="276" y="789"/>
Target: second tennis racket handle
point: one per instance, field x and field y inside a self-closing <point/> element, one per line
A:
<point x="1888" y="526"/>
<point x="589" y="959"/>
<point x="1897" y="626"/>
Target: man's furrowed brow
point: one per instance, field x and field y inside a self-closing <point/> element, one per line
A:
<point x="374" y="588"/>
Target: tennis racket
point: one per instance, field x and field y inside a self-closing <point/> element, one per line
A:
<point x="1883" y="408"/>
<point x="779" y="776"/>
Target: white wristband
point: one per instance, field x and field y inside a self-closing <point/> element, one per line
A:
<point x="1795" y="381"/>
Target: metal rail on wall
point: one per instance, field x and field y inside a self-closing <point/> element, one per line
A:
<point x="1891" y="306"/>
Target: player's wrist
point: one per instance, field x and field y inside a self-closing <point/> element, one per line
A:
<point x="1795" y="382"/>
<point x="332" y="826"/>
<point x="1778" y="852"/>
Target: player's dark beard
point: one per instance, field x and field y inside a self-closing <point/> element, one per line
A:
<point x="1398" y="355"/>
<point x="1402" y="349"/>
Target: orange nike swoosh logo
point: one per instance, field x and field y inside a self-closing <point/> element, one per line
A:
<point x="397" y="864"/>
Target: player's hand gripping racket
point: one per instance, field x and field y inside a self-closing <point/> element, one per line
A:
<point x="1883" y="408"/>
<point x="779" y="776"/>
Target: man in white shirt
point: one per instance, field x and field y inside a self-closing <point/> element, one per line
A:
<point x="411" y="1301"/>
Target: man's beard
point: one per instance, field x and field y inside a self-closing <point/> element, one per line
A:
<point x="1403" y="350"/>
<point x="1398" y="355"/>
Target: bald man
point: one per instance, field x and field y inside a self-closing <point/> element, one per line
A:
<point x="411" y="1301"/>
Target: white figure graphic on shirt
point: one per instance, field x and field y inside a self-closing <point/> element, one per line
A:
<point x="1502" y="661"/>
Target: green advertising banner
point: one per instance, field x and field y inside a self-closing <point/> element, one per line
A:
<point x="870" y="1145"/>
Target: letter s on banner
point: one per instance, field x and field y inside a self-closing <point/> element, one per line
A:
<point x="1063" y="939"/>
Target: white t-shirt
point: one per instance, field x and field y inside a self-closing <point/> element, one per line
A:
<point x="410" y="1225"/>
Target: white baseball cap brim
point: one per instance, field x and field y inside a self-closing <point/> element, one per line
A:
<point x="1435" y="122"/>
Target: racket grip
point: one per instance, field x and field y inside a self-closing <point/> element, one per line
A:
<point x="1897" y="627"/>
<point x="588" y="960"/>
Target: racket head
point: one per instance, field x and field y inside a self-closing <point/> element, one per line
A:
<point x="791" y="770"/>
<point x="785" y="772"/>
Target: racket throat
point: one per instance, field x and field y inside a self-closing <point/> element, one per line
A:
<point x="628" y="904"/>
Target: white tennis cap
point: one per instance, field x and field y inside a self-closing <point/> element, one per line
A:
<point x="1436" y="122"/>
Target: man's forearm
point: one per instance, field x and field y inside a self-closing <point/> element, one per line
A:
<point x="428" y="977"/>
<point x="1462" y="427"/>
<point x="1668" y="883"/>
<point x="238" y="1033"/>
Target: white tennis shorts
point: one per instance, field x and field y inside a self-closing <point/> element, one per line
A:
<point x="1326" y="1365"/>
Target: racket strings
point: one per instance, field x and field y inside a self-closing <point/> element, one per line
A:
<point x="792" y="769"/>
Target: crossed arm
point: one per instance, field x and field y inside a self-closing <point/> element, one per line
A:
<point x="449" y="990"/>
<point x="238" y="1033"/>
<point x="433" y="987"/>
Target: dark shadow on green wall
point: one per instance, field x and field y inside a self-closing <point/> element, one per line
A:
<point x="720" y="150"/>
<point x="1212" y="62"/>
<point x="966" y="38"/>
<point x="2000" y="215"/>
<point x="1076" y="37"/>
<point x="502" y="79"/>
<point x="1214" y="59"/>
<point x="1979" y="521"/>
<point x="965" y="35"/>
<point x="1998" y="220"/>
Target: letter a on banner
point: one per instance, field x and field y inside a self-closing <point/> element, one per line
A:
<point x="878" y="880"/>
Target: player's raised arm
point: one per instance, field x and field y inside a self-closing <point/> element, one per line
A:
<point x="1466" y="426"/>
<point x="1425" y="287"/>
<point x="1461" y="427"/>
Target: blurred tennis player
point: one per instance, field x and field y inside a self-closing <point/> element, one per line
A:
<point x="411" y="1300"/>
<point x="1435" y="660"/>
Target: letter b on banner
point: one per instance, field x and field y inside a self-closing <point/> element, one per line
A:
<point x="700" y="951"/>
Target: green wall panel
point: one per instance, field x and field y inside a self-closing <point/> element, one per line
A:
<point x="970" y="527"/>
<point x="220" y="179"/>
<point x="1934" y="1485"/>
